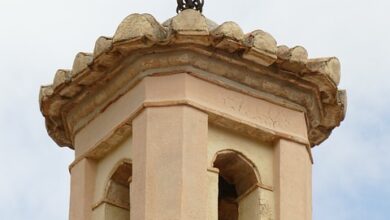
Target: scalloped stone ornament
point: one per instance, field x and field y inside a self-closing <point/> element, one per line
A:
<point x="136" y="26"/>
<point x="253" y="60"/>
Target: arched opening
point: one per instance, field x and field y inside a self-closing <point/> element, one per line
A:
<point x="237" y="179"/>
<point x="227" y="200"/>
<point x="117" y="195"/>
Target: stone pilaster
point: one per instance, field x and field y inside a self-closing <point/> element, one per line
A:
<point x="292" y="176"/>
<point x="170" y="164"/>
<point x="82" y="190"/>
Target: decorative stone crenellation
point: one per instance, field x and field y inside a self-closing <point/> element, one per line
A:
<point x="278" y="74"/>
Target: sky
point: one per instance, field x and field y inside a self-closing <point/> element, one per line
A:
<point x="351" y="177"/>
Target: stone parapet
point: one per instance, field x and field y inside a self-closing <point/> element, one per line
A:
<point x="190" y="43"/>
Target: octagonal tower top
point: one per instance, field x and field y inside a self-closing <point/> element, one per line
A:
<point x="252" y="63"/>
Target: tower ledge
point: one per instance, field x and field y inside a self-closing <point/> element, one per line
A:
<point x="250" y="63"/>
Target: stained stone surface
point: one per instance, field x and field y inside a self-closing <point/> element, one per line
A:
<point x="280" y="72"/>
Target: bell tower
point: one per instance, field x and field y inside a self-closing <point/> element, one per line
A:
<point x="191" y="120"/>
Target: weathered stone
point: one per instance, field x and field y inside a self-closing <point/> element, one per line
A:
<point x="327" y="66"/>
<point x="260" y="57"/>
<point x="228" y="36"/>
<point x="57" y="133"/>
<point x="343" y="100"/>
<point x="262" y="48"/>
<point x="189" y="22"/>
<point x="90" y="78"/>
<point x="61" y="77"/>
<point x="137" y="26"/>
<point x="102" y="45"/>
<point x="293" y="60"/>
<point x="70" y="91"/>
<point x="333" y="115"/>
<point x="228" y="29"/>
<point x="81" y="62"/>
<point x="318" y="136"/>
<point x="54" y="107"/>
<point x="246" y="111"/>
<point x="262" y="41"/>
<point x="211" y="25"/>
<point x="207" y="47"/>
<point x="45" y="92"/>
<point x="299" y="55"/>
<point x="283" y="52"/>
<point x="110" y="58"/>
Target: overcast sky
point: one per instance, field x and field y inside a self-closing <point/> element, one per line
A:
<point x="37" y="37"/>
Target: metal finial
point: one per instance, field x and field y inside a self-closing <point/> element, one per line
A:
<point x="189" y="4"/>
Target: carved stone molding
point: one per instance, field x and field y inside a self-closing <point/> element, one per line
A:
<point x="249" y="63"/>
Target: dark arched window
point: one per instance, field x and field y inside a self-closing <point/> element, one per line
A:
<point x="237" y="178"/>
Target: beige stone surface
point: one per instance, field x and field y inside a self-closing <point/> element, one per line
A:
<point x="82" y="190"/>
<point x="260" y="153"/>
<point x="189" y="22"/>
<point x="212" y="194"/>
<point x="293" y="59"/>
<point x="61" y="77"/>
<point x="343" y="98"/>
<point x="161" y="116"/>
<point x="136" y="26"/>
<point x="191" y="31"/>
<point x="297" y="54"/>
<point x="258" y="202"/>
<point x="81" y="62"/>
<point x="293" y="187"/>
<point x="106" y="212"/>
<point x="327" y="66"/>
<point x="249" y="207"/>
<point x="228" y="36"/>
<point x="243" y="111"/>
<point x="229" y="29"/>
<point x="106" y="166"/>
<point x="44" y="93"/>
<point x="267" y="204"/>
<point x="103" y="44"/>
<point x="170" y="164"/>
<point x="263" y="48"/>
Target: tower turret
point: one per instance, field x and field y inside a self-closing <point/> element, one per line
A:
<point x="190" y="120"/>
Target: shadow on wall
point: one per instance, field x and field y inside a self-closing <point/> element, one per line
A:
<point x="238" y="178"/>
<point x="117" y="196"/>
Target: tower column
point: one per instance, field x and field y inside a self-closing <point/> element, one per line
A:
<point x="170" y="164"/>
<point x="82" y="190"/>
<point x="293" y="171"/>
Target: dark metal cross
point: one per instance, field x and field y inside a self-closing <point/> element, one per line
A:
<point x="189" y="4"/>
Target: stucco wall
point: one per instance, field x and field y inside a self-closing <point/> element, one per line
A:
<point x="261" y="154"/>
<point x="106" y="166"/>
<point x="258" y="204"/>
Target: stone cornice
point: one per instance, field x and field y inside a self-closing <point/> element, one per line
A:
<point x="224" y="55"/>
